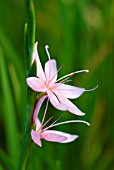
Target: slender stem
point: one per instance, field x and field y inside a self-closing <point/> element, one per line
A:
<point x="29" y="40"/>
<point x="25" y="150"/>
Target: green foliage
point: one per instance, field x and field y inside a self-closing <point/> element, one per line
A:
<point x="29" y="35"/>
<point x="80" y="36"/>
<point x="29" y="40"/>
<point x="11" y="129"/>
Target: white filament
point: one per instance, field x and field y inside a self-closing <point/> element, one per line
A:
<point x="66" y="122"/>
<point x="80" y="71"/>
<point x="46" y="47"/>
<point x="92" y="89"/>
<point x="45" y="111"/>
<point x="72" y="121"/>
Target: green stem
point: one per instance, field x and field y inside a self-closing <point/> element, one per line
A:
<point x="25" y="150"/>
<point x="29" y="40"/>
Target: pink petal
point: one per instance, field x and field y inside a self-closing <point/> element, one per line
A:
<point x="70" y="106"/>
<point x="38" y="124"/>
<point x="55" y="102"/>
<point x="51" y="71"/>
<point x="36" y="138"/>
<point x="40" y="72"/>
<point x="37" y="108"/>
<point x="57" y="136"/>
<point x="69" y="91"/>
<point x="36" y="84"/>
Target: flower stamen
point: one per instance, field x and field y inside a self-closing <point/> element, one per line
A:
<point x="45" y="111"/>
<point x="56" y="73"/>
<point x="71" y="74"/>
<point x="92" y="88"/>
<point x="46" y="47"/>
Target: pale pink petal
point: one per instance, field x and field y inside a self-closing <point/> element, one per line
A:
<point x="69" y="91"/>
<point x="36" y="138"/>
<point x="51" y="71"/>
<point x="57" y="136"/>
<point x="36" y="84"/>
<point x="70" y="106"/>
<point x="38" y="124"/>
<point x="55" y="102"/>
<point x="37" y="108"/>
<point x="40" y="72"/>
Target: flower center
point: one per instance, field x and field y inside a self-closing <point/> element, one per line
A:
<point x="39" y="131"/>
<point x="50" y="88"/>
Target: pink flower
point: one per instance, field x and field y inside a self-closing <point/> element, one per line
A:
<point x="50" y="135"/>
<point x="57" y="92"/>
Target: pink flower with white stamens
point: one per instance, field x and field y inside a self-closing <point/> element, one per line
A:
<point x="57" y="92"/>
<point x="50" y="135"/>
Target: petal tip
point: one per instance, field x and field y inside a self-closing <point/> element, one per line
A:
<point x="40" y="145"/>
<point x="36" y="43"/>
<point x="27" y="80"/>
<point x="76" y="136"/>
<point x="81" y="114"/>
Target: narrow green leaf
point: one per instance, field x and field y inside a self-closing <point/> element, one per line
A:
<point x="10" y="53"/>
<point x="6" y="160"/>
<point x="26" y="51"/>
<point x="27" y="142"/>
<point x="47" y="157"/>
<point x="31" y="27"/>
<point x="29" y="35"/>
<point x="11" y="129"/>
<point x="29" y="40"/>
<point x="31" y="96"/>
<point x="25" y="149"/>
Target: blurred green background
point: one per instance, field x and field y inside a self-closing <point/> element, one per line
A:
<point x="80" y="35"/>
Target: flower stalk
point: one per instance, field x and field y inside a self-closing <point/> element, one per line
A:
<point x="29" y="40"/>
